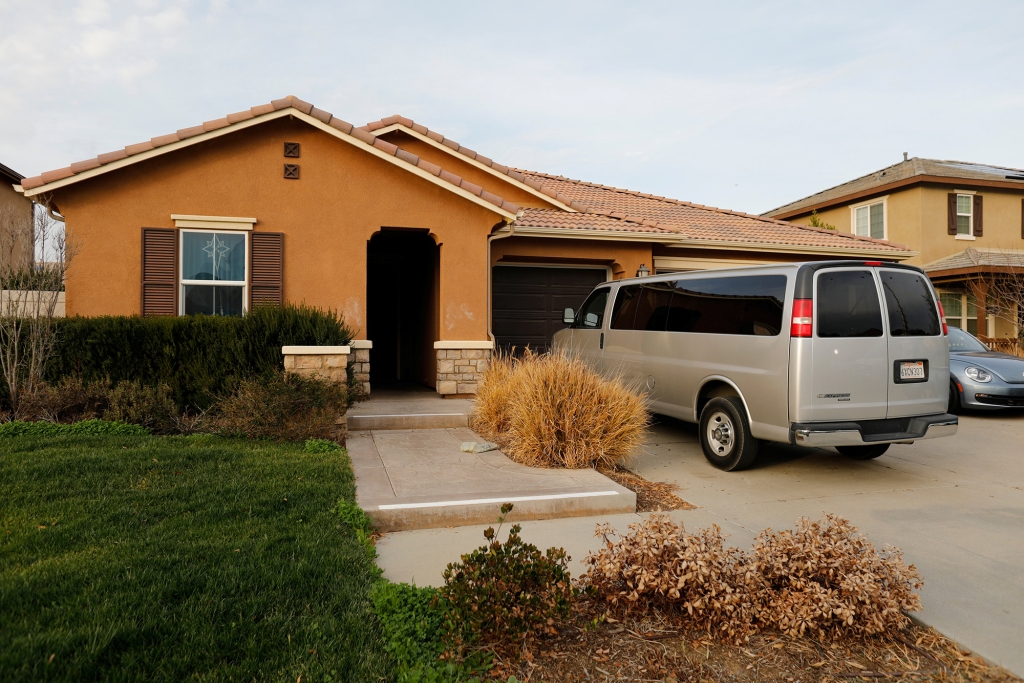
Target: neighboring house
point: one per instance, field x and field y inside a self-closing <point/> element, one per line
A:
<point x="431" y="251"/>
<point x="964" y="220"/>
<point x="15" y="217"/>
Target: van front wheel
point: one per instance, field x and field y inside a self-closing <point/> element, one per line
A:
<point x="725" y="434"/>
<point x="863" y="452"/>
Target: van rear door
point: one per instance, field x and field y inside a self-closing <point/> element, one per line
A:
<point x="918" y="351"/>
<point x="849" y="366"/>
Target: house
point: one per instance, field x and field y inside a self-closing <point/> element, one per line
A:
<point x="965" y="221"/>
<point x="15" y="224"/>
<point x="433" y="252"/>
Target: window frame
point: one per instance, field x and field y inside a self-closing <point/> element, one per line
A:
<point x="965" y="316"/>
<point x="970" y="216"/>
<point x="884" y="201"/>
<point x="182" y="282"/>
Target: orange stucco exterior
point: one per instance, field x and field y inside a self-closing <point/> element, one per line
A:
<point x="343" y="196"/>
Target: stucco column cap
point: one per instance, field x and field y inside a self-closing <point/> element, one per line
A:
<point x="361" y="344"/>
<point x="314" y="350"/>
<point x="463" y="344"/>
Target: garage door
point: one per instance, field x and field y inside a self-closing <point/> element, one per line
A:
<point x="528" y="302"/>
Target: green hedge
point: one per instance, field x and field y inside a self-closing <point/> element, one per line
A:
<point x="199" y="357"/>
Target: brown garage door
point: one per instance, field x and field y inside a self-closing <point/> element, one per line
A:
<point x="528" y="302"/>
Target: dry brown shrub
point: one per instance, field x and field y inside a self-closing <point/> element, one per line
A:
<point x="823" y="579"/>
<point x="281" y="406"/>
<point x="553" y="411"/>
<point x="660" y="565"/>
<point x="68" y="400"/>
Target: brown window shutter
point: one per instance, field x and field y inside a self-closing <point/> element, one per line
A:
<point x="978" y="224"/>
<point x="951" y="223"/>
<point x="266" y="274"/>
<point x="159" y="271"/>
<point x="1022" y="219"/>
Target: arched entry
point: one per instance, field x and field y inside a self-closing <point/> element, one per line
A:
<point x="402" y="305"/>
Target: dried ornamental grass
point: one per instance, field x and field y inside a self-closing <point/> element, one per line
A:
<point x="554" y="411"/>
<point x="822" y="579"/>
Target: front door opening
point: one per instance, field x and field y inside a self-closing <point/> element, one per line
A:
<point x="401" y="305"/>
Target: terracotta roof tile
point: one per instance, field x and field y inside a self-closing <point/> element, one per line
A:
<point x="343" y="126"/>
<point x="215" y="124"/>
<point x="324" y="116"/>
<point x="162" y="140"/>
<point x="362" y="135"/>
<point x="190" y="132"/>
<point x="56" y="174"/>
<point x="419" y="128"/>
<point x="470" y="187"/>
<point x="262" y="109"/>
<point x="385" y="146"/>
<point x="437" y="137"/>
<point x="429" y="167"/>
<point x="450" y="177"/>
<point x="282" y="103"/>
<point x="240" y="116"/>
<point x="407" y="157"/>
<point x="80" y="166"/>
<point x="492" y="198"/>
<point x="301" y="105"/>
<point x="139" y="148"/>
<point x="113" y="156"/>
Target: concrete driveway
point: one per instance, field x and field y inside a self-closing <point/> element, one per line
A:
<point x="955" y="506"/>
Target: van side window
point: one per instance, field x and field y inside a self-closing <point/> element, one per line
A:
<point x="625" y="307"/>
<point x="910" y="303"/>
<point x="847" y="304"/>
<point x="591" y="314"/>
<point x="747" y="305"/>
<point x="652" y="309"/>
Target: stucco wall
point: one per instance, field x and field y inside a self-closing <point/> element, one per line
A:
<point x="623" y="257"/>
<point x="344" y="195"/>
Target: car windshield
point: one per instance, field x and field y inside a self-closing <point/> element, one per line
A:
<point x="964" y="341"/>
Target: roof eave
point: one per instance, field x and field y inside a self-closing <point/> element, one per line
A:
<point x="670" y="240"/>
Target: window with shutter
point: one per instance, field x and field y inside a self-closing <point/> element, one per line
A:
<point x="978" y="223"/>
<point x="951" y="213"/>
<point x="267" y="272"/>
<point x="213" y="272"/>
<point x="159" y="271"/>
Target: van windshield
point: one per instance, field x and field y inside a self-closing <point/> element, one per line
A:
<point x="847" y="304"/>
<point x="911" y="305"/>
<point x="591" y="313"/>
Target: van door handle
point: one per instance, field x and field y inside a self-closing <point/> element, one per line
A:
<point x="601" y="345"/>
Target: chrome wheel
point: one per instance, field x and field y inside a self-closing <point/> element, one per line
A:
<point x="721" y="433"/>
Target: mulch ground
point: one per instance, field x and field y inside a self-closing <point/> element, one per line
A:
<point x="654" y="648"/>
<point x="651" y="496"/>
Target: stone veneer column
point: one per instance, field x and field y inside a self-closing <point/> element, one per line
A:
<point x="460" y="365"/>
<point x="327" y="362"/>
<point x="360" y="360"/>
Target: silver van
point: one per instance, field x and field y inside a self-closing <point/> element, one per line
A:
<point x="850" y="354"/>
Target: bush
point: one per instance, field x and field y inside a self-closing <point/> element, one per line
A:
<point x="282" y="406"/>
<point x="504" y="590"/>
<point x="86" y="427"/>
<point x="68" y="400"/>
<point x="353" y="515"/>
<point x="320" y="446"/>
<point x="151" y="407"/>
<point x="412" y="621"/>
<point x="200" y="357"/>
<point x="826" y="578"/>
<point x="554" y="411"/>
<point x="823" y="578"/>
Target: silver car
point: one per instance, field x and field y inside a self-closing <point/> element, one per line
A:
<point x="981" y="379"/>
<point x="850" y="354"/>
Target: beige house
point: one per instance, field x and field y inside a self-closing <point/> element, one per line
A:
<point x="15" y="217"/>
<point x="964" y="220"/>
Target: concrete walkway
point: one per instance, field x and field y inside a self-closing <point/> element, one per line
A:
<point x="420" y="479"/>
<point x="955" y="506"/>
<point x="408" y="406"/>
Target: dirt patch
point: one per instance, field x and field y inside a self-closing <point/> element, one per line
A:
<point x="654" y="648"/>
<point x="651" y="496"/>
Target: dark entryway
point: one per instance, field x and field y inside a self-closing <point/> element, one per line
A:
<point x="528" y="302"/>
<point x="401" y="305"/>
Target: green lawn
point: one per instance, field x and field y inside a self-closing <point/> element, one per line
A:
<point x="180" y="558"/>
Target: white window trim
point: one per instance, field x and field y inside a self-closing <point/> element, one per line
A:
<point x="885" y="215"/>
<point x="182" y="282"/>
<point x="990" y="319"/>
<point x="212" y="222"/>
<point x="970" y="235"/>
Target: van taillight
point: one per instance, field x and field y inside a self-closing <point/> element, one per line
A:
<point x="942" y="317"/>
<point x="803" y="318"/>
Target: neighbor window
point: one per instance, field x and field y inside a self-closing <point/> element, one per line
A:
<point x="962" y="311"/>
<point x="964" y="214"/>
<point x="869" y="220"/>
<point x="213" y="272"/>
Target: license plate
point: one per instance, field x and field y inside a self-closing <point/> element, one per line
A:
<point x="911" y="370"/>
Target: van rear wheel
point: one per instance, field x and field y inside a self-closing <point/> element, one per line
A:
<point x="725" y="434"/>
<point x="863" y="452"/>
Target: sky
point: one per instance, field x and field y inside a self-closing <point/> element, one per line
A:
<point x="740" y="105"/>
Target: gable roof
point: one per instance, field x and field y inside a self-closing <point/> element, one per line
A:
<point x="10" y="174"/>
<point x="911" y="171"/>
<point x="286" y="106"/>
<point x="435" y="139"/>
<point x="672" y="221"/>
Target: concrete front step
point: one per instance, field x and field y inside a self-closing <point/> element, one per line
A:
<point x="407" y="421"/>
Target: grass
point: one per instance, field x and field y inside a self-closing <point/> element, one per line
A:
<point x="198" y="558"/>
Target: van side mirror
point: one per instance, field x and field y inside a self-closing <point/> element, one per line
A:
<point x="568" y="317"/>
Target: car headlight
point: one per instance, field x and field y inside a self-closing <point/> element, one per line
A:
<point x="978" y="374"/>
